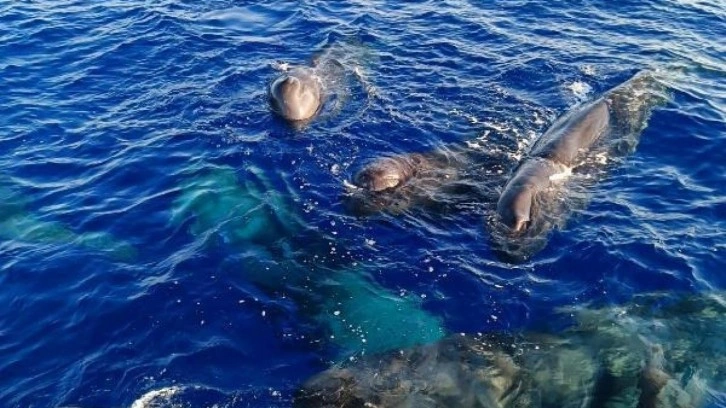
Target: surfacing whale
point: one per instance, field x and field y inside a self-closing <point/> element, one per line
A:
<point x="297" y="95"/>
<point x="301" y="93"/>
<point x="536" y="198"/>
<point x="435" y="181"/>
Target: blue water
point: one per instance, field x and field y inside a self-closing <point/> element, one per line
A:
<point x="114" y="284"/>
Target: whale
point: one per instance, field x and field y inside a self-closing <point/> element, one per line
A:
<point x="387" y="173"/>
<point x="297" y="95"/>
<point x="648" y="353"/>
<point x="322" y="86"/>
<point x="20" y="225"/>
<point x="435" y="181"/>
<point x="535" y="198"/>
<point x="253" y="216"/>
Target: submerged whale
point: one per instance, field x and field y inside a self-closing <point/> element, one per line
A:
<point x="493" y="371"/>
<point x="19" y="224"/>
<point x="652" y="353"/>
<point x="534" y="200"/>
<point x="272" y="247"/>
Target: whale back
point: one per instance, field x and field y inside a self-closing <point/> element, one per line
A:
<point x="631" y="105"/>
<point x="609" y="127"/>
<point x="621" y="114"/>
<point x="573" y="135"/>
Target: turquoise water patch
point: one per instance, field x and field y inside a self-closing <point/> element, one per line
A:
<point x="238" y="210"/>
<point x="256" y="221"/>
<point x="18" y="224"/>
<point x="363" y="316"/>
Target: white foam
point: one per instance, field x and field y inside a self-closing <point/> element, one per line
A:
<point x="579" y="89"/>
<point x="499" y="127"/>
<point x="588" y="70"/>
<point x="350" y="187"/>
<point x="281" y="66"/>
<point x="567" y="172"/>
<point x="156" y="398"/>
<point x="471" y="118"/>
<point x="601" y="158"/>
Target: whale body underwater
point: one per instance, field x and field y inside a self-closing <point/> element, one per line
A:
<point x="653" y="358"/>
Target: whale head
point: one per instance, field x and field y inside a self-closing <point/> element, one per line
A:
<point x="387" y="173"/>
<point x="521" y="223"/>
<point x="383" y="185"/>
<point x="296" y="95"/>
<point x="514" y="209"/>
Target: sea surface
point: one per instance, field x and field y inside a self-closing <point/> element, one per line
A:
<point x="165" y="240"/>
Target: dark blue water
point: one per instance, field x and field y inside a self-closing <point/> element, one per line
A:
<point x="162" y="230"/>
